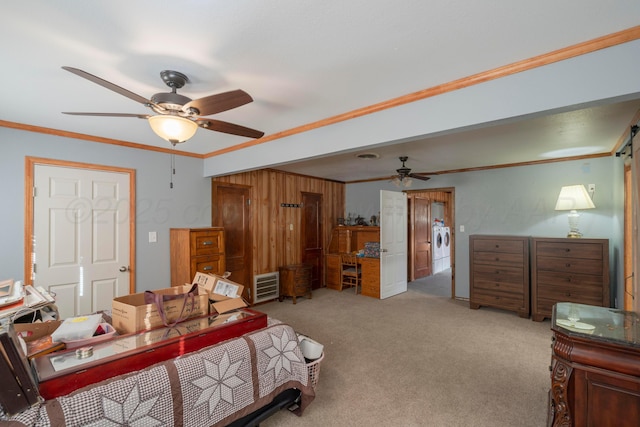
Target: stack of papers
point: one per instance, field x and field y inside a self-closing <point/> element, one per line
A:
<point x="21" y="298"/>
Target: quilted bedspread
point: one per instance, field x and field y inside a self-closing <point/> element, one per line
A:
<point x="211" y="387"/>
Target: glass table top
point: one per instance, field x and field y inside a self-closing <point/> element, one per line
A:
<point x="132" y="342"/>
<point x="599" y="323"/>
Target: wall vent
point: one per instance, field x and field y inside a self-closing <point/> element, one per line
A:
<point x="266" y="287"/>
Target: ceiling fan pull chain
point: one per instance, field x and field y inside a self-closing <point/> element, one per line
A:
<point x="173" y="168"/>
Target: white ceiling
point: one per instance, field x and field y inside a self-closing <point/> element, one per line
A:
<point x="302" y="62"/>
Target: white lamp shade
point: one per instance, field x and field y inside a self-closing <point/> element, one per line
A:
<point x="574" y="197"/>
<point x="174" y="129"/>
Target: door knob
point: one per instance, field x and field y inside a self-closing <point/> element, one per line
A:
<point x="124" y="268"/>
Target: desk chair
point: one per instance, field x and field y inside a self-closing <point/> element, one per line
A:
<point x="350" y="273"/>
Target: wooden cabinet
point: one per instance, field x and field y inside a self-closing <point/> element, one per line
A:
<point x="295" y="281"/>
<point x="568" y="270"/>
<point x="370" y="276"/>
<point x="63" y="372"/>
<point x="499" y="272"/>
<point x="349" y="239"/>
<point x="595" y="368"/>
<point x="195" y="250"/>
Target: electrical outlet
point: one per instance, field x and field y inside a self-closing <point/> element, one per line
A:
<point x="592" y="188"/>
<point x="462" y="228"/>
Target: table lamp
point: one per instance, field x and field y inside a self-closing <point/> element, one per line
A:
<point x="572" y="198"/>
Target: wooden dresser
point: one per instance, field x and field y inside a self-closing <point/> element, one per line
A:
<point x="595" y="367"/>
<point x="568" y="270"/>
<point x="196" y="250"/>
<point x="499" y="272"/>
<point x="295" y="281"/>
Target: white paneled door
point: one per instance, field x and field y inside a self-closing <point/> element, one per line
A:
<point x="81" y="236"/>
<point x="393" y="243"/>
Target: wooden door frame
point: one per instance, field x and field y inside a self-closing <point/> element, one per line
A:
<point x="29" y="170"/>
<point x="450" y="215"/>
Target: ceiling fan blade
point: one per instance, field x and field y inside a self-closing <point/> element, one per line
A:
<point x="140" y="116"/>
<point x="218" y="103"/>
<point x="108" y="85"/>
<point x="420" y="177"/>
<point x="226" y="127"/>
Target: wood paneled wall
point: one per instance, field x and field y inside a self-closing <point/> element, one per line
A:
<point x="274" y="243"/>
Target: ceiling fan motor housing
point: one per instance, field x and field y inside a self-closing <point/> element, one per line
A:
<point x="170" y="101"/>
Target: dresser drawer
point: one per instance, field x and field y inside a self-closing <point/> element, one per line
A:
<point x="212" y="264"/>
<point x="570" y="250"/>
<point x="483" y="273"/>
<point x="498" y="245"/>
<point x="489" y="283"/>
<point x="570" y="293"/>
<point x="498" y="258"/>
<point x="206" y="243"/>
<point x="570" y="265"/>
<point x="570" y="279"/>
<point x="500" y="300"/>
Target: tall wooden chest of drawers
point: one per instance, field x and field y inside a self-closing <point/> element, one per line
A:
<point x="196" y="250"/>
<point x="499" y="272"/>
<point x="568" y="270"/>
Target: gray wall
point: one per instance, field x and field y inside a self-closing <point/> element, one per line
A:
<point x="520" y="201"/>
<point x="158" y="208"/>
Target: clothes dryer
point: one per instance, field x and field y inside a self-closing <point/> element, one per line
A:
<point x="446" y="248"/>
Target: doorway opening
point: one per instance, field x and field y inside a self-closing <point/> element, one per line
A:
<point x="431" y="230"/>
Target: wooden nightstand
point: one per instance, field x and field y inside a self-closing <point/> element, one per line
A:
<point x="295" y="281"/>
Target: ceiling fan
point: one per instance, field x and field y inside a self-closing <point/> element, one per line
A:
<point x="405" y="176"/>
<point x="178" y="117"/>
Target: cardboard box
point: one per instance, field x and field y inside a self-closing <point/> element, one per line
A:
<point x="130" y="313"/>
<point x="224" y="294"/>
<point x="33" y="331"/>
<point x="37" y="337"/>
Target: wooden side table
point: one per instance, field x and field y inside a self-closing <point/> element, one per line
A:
<point x="295" y="281"/>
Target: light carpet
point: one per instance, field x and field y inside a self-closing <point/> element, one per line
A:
<point x="419" y="359"/>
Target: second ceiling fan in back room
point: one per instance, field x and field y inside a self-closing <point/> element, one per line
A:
<point x="178" y="117"/>
<point x="404" y="177"/>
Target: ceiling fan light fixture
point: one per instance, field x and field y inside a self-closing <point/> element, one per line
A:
<point x="174" y="129"/>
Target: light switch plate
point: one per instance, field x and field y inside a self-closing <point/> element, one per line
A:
<point x="153" y="237"/>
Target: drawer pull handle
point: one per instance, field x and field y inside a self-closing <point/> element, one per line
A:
<point x="567" y="250"/>
<point x="207" y="268"/>
<point x="568" y="265"/>
<point x="497" y="246"/>
<point x="207" y="243"/>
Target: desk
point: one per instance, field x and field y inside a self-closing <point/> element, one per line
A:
<point x="370" y="274"/>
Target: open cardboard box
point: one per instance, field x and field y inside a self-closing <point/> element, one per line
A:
<point x="224" y="294"/>
<point x="131" y="313"/>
